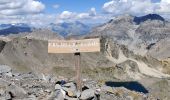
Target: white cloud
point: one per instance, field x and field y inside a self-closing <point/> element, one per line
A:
<point x="22" y="11"/>
<point x="71" y="16"/>
<point x="56" y="6"/>
<point x="38" y="20"/>
<point x="42" y="19"/>
<point x="67" y="15"/>
<point x="20" y="7"/>
<point x="92" y="12"/>
<point x="83" y="16"/>
<point x="166" y="1"/>
<point x="137" y="7"/>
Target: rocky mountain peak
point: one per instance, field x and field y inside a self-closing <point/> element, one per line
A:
<point x="123" y="18"/>
<point x="141" y="19"/>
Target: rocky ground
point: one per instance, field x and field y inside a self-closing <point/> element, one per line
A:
<point x="29" y="86"/>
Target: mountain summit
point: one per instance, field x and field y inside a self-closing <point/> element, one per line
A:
<point x="141" y="19"/>
<point x="138" y="33"/>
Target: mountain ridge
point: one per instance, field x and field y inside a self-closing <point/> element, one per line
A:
<point x="125" y="31"/>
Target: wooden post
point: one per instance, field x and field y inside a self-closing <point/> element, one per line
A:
<point x="78" y="71"/>
<point x="75" y="47"/>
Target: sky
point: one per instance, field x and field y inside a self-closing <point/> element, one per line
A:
<point x="44" y="12"/>
<point x="75" y="5"/>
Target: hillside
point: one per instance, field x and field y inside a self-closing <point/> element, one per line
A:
<point x="31" y="54"/>
<point x="139" y="34"/>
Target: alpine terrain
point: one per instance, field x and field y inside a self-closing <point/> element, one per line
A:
<point x="133" y="64"/>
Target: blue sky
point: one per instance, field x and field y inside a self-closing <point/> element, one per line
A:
<point x="44" y="12"/>
<point x="73" y="5"/>
<point x="156" y="0"/>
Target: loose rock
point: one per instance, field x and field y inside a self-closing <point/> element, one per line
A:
<point x="87" y="94"/>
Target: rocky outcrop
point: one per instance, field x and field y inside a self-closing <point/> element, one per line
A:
<point x="2" y="44"/>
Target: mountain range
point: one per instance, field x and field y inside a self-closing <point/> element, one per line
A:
<point x="132" y="49"/>
<point x="140" y="34"/>
<point x="6" y="29"/>
<point x="65" y="29"/>
<point x="70" y="28"/>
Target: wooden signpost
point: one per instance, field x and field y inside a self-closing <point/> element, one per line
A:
<point x="75" y="47"/>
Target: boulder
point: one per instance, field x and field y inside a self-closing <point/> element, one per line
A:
<point x="31" y="97"/>
<point x="58" y="95"/>
<point x="87" y="94"/>
<point x="70" y="98"/>
<point x="47" y="90"/>
<point x="105" y="96"/>
<point x="15" y="74"/>
<point x="8" y="96"/>
<point x="11" y="89"/>
<point x="4" y="69"/>
<point x="57" y="87"/>
<point x="70" y="92"/>
<point x="71" y="84"/>
<point x="16" y="91"/>
<point x="78" y="94"/>
<point x="70" y="88"/>
<point x="91" y="84"/>
<point x="8" y="74"/>
<point x="108" y="89"/>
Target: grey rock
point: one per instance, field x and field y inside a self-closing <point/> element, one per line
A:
<point x="70" y="92"/>
<point x="16" y="74"/>
<point x="87" y="94"/>
<point x="57" y="87"/>
<point x="70" y="88"/>
<point x="71" y="84"/>
<point x="8" y="74"/>
<point x="31" y="97"/>
<point x="104" y="96"/>
<point x="58" y="95"/>
<point x="69" y="98"/>
<point x="105" y="88"/>
<point x="16" y="91"/>
<point x="4" y="69"/>
<point x="7" y="96"/>
<point x="2" y="91"/>
<point x="91" y="84"/>
<point x="47" y="90"/>
<point x="2" y="98"/>
<point x="78" y="94"/>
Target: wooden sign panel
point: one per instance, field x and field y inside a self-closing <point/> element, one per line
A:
<point x="73" y="46"/>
